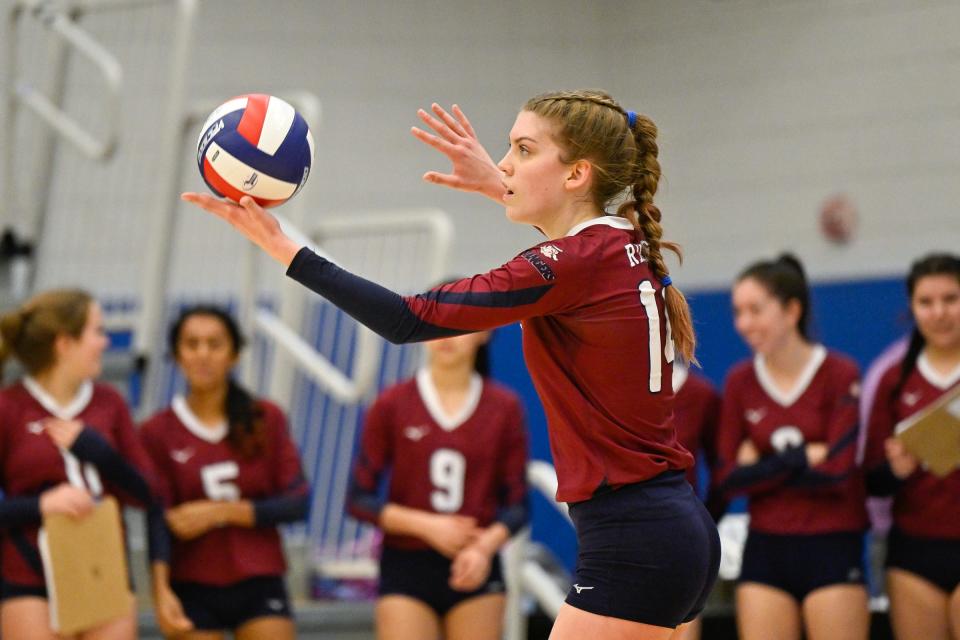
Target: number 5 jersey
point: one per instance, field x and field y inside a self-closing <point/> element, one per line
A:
<point x="196" y="462"/>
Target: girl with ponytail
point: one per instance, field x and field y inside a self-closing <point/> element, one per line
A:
<point x="229" y="475"/>
<point x="603" y="324"/>
<point x="65" y="441"/>
<point x="923" y="545"/>
<point x="787" y="438"/>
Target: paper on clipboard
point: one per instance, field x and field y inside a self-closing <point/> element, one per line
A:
<point x="933" y="434"/>
<point x="85" y="566"/>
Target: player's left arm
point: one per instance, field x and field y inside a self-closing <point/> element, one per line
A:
<point x="291" y="501"/>
<point x="843" y="429"/>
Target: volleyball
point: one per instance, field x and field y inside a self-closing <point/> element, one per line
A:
<point x="255" y="145"/>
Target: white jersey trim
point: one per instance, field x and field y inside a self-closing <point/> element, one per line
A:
<point x="431" y="400"/>
<point x="72" y="409"/>
<point x="213" y="434"/>
<point x="785" y="399"/>
<point x="611" y="221"/>
<point x="934" y="377"/>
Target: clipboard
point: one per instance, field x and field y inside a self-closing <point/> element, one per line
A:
<point x="85" y="565"/>
<point x="933" y="434"/>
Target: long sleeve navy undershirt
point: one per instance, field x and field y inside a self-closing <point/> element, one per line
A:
<point x="370" y="304"/>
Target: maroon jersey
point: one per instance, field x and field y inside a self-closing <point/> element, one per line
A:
<point x="696" y="411"/>
<point x="924" y="505"/>
<point x="472" y="464"/>
<point x="30" y="463"/>
<point x="195" y="462"/>
<point x="595" y="338"/>
<point x="787" y="496"/>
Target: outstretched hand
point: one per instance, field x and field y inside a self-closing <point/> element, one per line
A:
<point x="252" y="221"/>
<point x="473" y="168"/>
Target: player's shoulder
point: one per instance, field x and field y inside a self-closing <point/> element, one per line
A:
<point x="106" y="394"/>
<point x="740" y="373"/>
<point x="841" y="364"/>
<point x="158" y="423"/>
<point x="270" y="409"/>
<point x="396" y="393"/>
<point x="500" y="392"/>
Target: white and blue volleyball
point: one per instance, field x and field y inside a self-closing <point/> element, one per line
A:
<point x="255" y="145"/>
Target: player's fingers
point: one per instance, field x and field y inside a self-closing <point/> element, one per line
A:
<point x="464" y="121"/>
<point x="443" y="179"/>
<point x="448" y="120"/>
<point x="439" y="126"/>
<point x="210" y="204"/>
<point x="436" y="142"/>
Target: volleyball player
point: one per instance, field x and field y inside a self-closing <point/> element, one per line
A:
<point x="454" y="446"/>
<point x="65" y="440"/>
<point x="599" y="315"/>
<point x="923" y="546"/>
<point x="787" y="438"/>
<point x="229" y="475"/>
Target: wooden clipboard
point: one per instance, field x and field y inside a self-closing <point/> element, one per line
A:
<point x="933" y="434"/>
<point x="85" y="565"/>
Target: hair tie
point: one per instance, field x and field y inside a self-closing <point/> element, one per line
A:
<point x="631" y="119"/>
<point x="666" y="281"/>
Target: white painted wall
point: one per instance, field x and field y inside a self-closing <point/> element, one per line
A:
<point x="765" y="109"/>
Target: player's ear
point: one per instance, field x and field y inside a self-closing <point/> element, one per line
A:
<point x="794" y="310"/>
<point x="579" y="175"/>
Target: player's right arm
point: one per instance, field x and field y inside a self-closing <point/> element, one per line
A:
<point x="527" y="286"/>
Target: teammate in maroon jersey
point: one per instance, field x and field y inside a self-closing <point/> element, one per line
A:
<point x="600" y="321"/>
<point x="696" y="411"/>
<point x="229" y="474"/>
<point x="787" y="438"/>
<point x="455" y="449"/>
<point x="923" y="547"/>
<point x="64" y="441"/>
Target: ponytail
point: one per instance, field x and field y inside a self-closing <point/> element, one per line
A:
<point x="645" y="217"/>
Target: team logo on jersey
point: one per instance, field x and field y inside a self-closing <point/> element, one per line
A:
<point x="579" y="588"/>
<point x="539" y="264"/>
<point x="911" y="398"/>
<point x="275" y="604"/>
<point x="753" y="416"/>
<point x="35" y="427"/>
<point x="551" y="251"/>
<point x="786" y="438"/>
<point x="181" y="456"/>
<point x="416" y="433"/>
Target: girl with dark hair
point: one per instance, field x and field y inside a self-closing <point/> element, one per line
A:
<point x="923" y="546"/>
<point x="787" y="438"/>
<point x="229" y="474"/>
<point x="65" y="440"/>
<point x="602" y="325"/>
<point x="454" y="445"/>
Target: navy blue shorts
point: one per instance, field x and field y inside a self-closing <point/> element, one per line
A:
<point x="13" y="590"/>
<point x="648" y="552"/>
<point x="213" y="608"/>
<point x="800" y="564"/>
<point x="425" y="574"/>
<point x="936" y="560"/>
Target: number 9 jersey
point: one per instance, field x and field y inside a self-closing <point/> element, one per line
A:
<point x="471" y="464"/>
